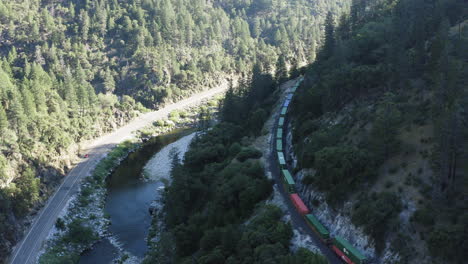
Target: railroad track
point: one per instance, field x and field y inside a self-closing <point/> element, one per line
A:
<point x="336" y="249"/>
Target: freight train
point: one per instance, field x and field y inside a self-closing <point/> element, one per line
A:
<point x="339" y="245"/>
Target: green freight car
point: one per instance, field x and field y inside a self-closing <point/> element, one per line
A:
<point x="283" y="111"/>
<point x="289" y="182"/>
<point x="281" y="122"/>
<point x="318" y="227"/>
<point x="279" y="145"/>
<point x="279" y="133"/>
<point x="281" y="160"/>
<point x="348" y="250"/>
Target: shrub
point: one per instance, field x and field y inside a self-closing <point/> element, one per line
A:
<point x="174" y="116"/>
<point x="384" y="209"/>
<point x="424" y="216"/>
<point x="388" y="184"/>
<point x="60" y="224"/>
<point x="249" y="153"/>
<point x="341" y="169"/>
<point x="235" y="149"/>
<point x="78" y="233"/>
<point x="393" y="170"/>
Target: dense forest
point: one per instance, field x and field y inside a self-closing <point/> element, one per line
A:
<point x="382" y="117"/>
<point x="73" y="70"/>
<point x="213" y="210"/>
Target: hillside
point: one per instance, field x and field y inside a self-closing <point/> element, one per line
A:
<point x="380" y="130"/>
<point x="71" y="70"/>
<point x="214" y="206"/>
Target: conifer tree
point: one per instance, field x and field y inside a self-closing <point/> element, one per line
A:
<point x="3" y="121"/>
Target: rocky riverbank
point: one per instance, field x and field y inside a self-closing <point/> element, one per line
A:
<point x="159" y="169"/>
<point x="83" y="221"/>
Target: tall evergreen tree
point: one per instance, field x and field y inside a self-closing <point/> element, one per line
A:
<point x="329" y="44"/>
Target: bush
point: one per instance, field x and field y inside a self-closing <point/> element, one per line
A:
<point x="60" y="224"/>
<point x="424" y="216"/>
<point x="319" y="140"/>
<point x="341" y="169"/>
<point x="388" y="184"/>
<point x="249" y="153"/>
<point x="80" y="234"/>
<point x="56" y="256"/>
<point x="25" y="192"/>
<point x="235" y="149"/>
<point x="174" y="116"/>
<point x="378" y="214"/>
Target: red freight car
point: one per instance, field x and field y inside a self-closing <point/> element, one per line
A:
<point x="299" y="204"/>
<point x="341" y="255"/>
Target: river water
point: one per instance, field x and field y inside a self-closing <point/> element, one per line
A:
<point x="129" y="198"/>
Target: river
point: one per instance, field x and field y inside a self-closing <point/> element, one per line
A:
<point x="129" y="197"/>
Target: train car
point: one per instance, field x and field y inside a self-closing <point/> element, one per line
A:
<point x="279" y="145"/>
<point x="279" y="133"/>
<point x="318" y="228"/>
<point x="281" y="160"/>
<point x="347" y="252"/>
<point x="281" y="122"/>
<point x="286" y="103"/>
<point x="283" y="111"/>
<point x="299" y="204"/>
<point x="289" y="96"/>
<point x="288" y="181"/>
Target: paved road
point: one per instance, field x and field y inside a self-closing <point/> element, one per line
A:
<point x="297" y="221"/>
<point x="27" y="250"/>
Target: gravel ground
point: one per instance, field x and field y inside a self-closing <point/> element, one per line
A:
<point x="160" y="165"/>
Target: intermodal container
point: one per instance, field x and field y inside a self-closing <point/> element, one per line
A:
<point x="351" y="252"/>
<point x="317" y="227"/>
<point x="289" y="97"/>
<point x="341" y="255"/>
<point x="283" y="111"/>
<point x="288" y="180"/>
<point x="281" y="122"/>
<point x="281" y="159"/>
<point x="279" y="133"/>
<point x="279" y="145"/>
<point x="286" y="103"/>
<point x="299" y="204"/>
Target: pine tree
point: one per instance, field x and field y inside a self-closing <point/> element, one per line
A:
<point x="12" y="55"/>
<point x="3" y="121"/>
<point x="16" y="115"/>
<point x="281" y="73"/>
<point x="70" y="92"/>
<point x="109" y="82"/>
<point x="329" y="44"/>
<point x="85" y="24"/>
<point x="40" y="83"/>
<point x="28" y="102"/>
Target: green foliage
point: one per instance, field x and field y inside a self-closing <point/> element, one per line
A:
<point x="399" y="63"/>
<point x="383" y="141"/>
<point x="378" y="214"/>
<point x="341" y="169"/>
<point x="60" y="224"/>
<point x="424" y="216"/>
<point x="210" y="204"/>
<point x="53" y="256"/>
<point x="248" y="153"/>
<point x="25" y="192"/>
<point x="78" y="233"/>
<point x="249" y="100"/>
<point x="449" y="241"/>
<point x="72" y="70"/>
<point x="325" y="137"/>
